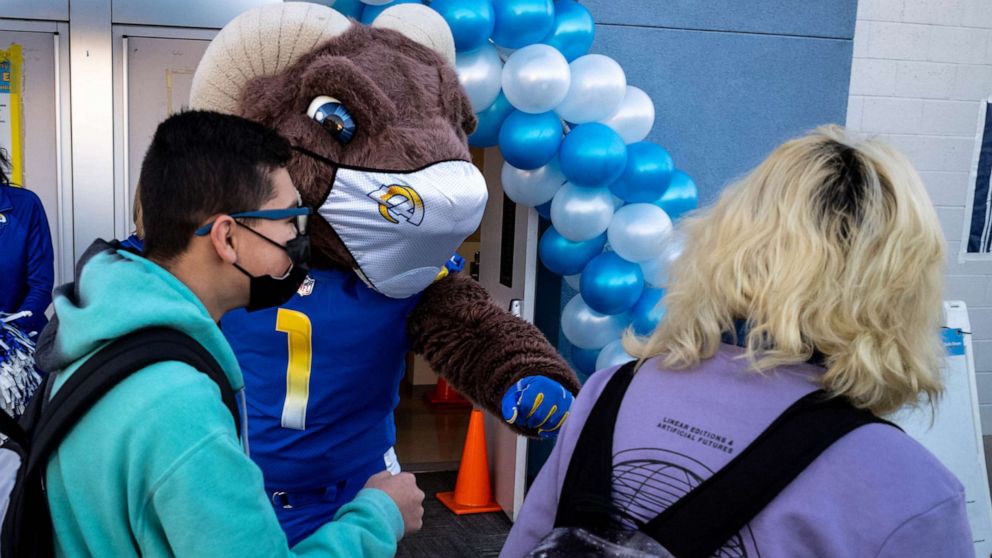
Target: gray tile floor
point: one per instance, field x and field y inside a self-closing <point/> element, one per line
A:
<point x="449" y="536"/>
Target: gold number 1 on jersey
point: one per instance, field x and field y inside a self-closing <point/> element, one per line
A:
<point x="296" y="326"/>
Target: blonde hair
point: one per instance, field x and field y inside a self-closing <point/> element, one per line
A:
<point x="829" y="245"/>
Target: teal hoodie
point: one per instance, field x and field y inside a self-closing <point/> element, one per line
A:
<point x="155" y="468"/>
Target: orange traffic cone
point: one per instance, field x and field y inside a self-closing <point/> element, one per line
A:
<point x="473" y="492"/>
<point x="445" y="397"/>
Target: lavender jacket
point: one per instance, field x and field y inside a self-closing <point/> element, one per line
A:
<point x="874" y="493"/>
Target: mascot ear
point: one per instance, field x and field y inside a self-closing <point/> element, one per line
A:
<point x="422" y="25"/>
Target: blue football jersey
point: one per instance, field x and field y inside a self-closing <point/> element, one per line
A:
<point x="322" y="376"/>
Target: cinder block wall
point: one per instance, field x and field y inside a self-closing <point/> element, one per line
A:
<point x="920" y="71"/>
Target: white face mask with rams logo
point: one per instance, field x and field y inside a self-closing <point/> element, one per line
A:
<point x="401" y="227"/>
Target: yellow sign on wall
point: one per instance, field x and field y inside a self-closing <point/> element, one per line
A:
<point x="11" y="125"/>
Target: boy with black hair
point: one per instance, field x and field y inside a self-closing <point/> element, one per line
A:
<point x="155" y="467"/>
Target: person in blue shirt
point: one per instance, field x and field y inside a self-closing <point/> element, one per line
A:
<point x="27" y="267"/>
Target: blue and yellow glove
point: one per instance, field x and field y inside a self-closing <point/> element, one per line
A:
<point x="537" y="403"/>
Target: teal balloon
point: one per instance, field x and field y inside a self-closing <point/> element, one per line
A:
<point x="646" y="176"/>
<point x="584" y="360"/>
<point x="592" y="155"/>
<point x="522" y="22"/>
<point x="680" y="197"/>
<point x="529" y="141"/>
<point x="491" y="119"/>
<point x="573" y="29"/>
<point x="471" y="21"/>
<point x="610" y="284"/>
<point x="564" y="257"/>
<point x="647" y="312"/>
<point x="350" y="8"/>
<point x="370" y="12"/>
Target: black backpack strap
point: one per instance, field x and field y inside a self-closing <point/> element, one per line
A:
<point x="701" y="522"/>
<point x="586" y="493"/>
<point x="108" y="367"/>
<point x="27" y="524"/>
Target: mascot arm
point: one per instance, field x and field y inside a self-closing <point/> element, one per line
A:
<point x="494" y="358"/>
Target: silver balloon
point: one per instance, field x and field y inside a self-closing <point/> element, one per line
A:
<point x="598" y="87"/>
<point x="587" y="329"/>
<point x="639" y="232"/>
<point x="536" y="78"/>
<point x="635" y="117"/>
<point x="480" y="72"/>
<point x="581" y="213"/>
<point x="573" y="281"/>
<point x="612" y="355"/>
<point x="656" y="271"/>
<point x="532" y="187"/>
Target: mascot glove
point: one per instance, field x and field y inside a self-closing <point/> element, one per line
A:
<point x="537" y="403"/>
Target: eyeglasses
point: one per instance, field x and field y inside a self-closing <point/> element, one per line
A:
<point x="301" y="215"/>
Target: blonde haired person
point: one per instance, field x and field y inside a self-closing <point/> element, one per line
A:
<point x="821" y="269"/>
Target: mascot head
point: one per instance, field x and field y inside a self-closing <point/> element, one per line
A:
<point x="379" y="122"/>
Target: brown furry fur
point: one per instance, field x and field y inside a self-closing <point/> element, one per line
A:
<point x="410" y="112"/>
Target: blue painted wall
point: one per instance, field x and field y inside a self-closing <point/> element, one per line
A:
<point x="730" y="80"/>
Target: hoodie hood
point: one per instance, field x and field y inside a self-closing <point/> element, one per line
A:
<point x="117" y="292"/>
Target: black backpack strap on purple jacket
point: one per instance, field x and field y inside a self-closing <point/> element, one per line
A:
<point x="585" y="500"/>
<point x="701" y="522"/>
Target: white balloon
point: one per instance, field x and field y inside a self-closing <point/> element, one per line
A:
<point x="480" y="72"/>
<point x="573" y="280"/>
<point x="656" y="270"/>
<point x="639" y="231"/>
<point x="635" y="117"/>
<point x="536" y="78"/>
<point x="581" y="213"/>
<point x="587" y="329"/>
<point x="612" y="355"/>
<point x="598" y="87"/>
<point x="532" y="187"/>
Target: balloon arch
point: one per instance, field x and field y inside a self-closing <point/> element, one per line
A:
<point x="571" y="131"/>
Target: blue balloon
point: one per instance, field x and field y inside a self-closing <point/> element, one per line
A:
<point x="370" y="12"/>
<point x="680" y="197"/>
<point x="610" y="284"/>
<point x="491" y="119"/>
<point x="645" y="178"/>
<point x="544" y="210"/>
<point x="529" y="141"/>
<point x="584" y="360"/>
<point x="573" y="29"/>
<point x="592" y="155"/>
<point x="350" y="8"/>
<point x="647" y="312"/>
<point x="564" y="257"/>
<point x="522" y="22"/>
<point x="471" y="21"/>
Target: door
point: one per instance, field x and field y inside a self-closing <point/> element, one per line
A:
<point x="155" y="69"/>
<point x="508" y="270"/>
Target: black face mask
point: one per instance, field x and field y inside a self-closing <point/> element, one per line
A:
<point x="267" y="291"/>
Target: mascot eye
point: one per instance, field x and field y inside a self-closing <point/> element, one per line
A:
<point x="333" y="117"/>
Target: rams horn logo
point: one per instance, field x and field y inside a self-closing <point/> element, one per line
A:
<point x="399" y="202"/>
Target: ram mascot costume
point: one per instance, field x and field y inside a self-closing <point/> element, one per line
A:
<point x="378" y="122"/>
